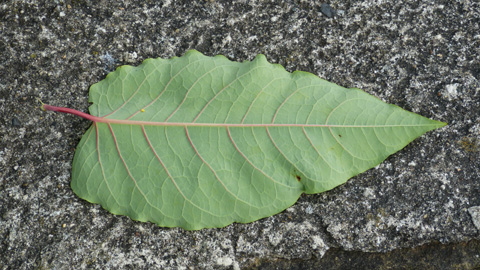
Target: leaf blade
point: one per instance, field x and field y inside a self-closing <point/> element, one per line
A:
<point x="202" y="141"/>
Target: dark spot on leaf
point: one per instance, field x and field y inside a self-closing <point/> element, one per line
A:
<point x="298" y="178"/>
<point x="339" y="135"/>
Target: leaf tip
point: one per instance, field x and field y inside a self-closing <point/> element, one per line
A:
<point x="439" y="124"/>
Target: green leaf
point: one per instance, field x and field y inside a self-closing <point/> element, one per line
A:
<point x="201" y="141"/>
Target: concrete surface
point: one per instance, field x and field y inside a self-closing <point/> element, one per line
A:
<point x="420" y="204"/>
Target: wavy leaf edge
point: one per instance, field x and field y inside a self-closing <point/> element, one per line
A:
<point x="190" y="221"/>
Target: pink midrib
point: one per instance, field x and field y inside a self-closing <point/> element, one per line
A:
<point x="195" y="124"/>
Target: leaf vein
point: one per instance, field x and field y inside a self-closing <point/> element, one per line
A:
<point x="219" y="92"/>
<point x="213" y="171"/>
<point x="280" y="151"/>
<point x="101" y="165"/>
<point x="255" y="99"/>
<point x="131" y="96"/>
<point x="288" y="97"/>
<point x="171" y="177"/>
<point x="249" y="162"/>
<point x="318" y="152"/>
<point x="128" y="170"/>
<point x="191" y="87"/>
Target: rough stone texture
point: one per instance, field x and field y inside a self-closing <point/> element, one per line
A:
<point x="421" y="55"/>
<point x="475" y="213"/>
<point x="431" y="256"/>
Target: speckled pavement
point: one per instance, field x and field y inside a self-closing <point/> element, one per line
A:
<point x="419" y="209"/>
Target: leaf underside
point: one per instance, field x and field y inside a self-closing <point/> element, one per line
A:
<point x="206" y="141"/>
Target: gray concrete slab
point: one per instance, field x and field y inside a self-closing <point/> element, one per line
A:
<point x="423" y="56"/>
